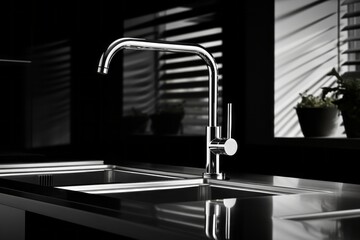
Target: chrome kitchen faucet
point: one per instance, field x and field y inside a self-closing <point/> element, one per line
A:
<point x="215" y="144"/>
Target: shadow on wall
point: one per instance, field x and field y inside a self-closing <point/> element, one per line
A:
<point x="48" y="99"/>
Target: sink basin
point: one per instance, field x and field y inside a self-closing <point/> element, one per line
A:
<point x="95" y="177"/>
<point x="186" y="194"/>
<point x="78" y="173"/>
<point x="184" y="190"/>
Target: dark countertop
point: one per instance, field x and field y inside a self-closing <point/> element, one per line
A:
<point x="265" y="217"/>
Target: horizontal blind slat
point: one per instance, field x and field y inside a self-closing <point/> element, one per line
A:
<point x="351" y="39"/>
<point x="346" y="2"/>
<point x="190" y="29"/>
<point x="185" y="95"/>
<point x="176" y="17"/>
<point x="351" y="62"/>
<point x="196" y="63"/>
<point x="351" y="14"/>
<point x="354" y="50"/>
<point x="178" y="55"/>
<point x="203" y="39"/>
<point x="351" y="27"/>
<point x="170" y="76"/>
<point x="184" y="85"/>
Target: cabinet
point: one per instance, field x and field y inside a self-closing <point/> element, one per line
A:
<point x="17" y="224"/>
<point x="12" y="223"/>
<point x="15" y="40"/>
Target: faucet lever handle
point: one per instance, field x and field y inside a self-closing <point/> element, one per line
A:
<point x="229" y="144"/>
<point x="225" y="145"/>
<point x="229" y="120"/>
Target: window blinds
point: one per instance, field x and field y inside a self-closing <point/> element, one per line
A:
<point x="351" y="30"/>
<point x="155" y="78"/>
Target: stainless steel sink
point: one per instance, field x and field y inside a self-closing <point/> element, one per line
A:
<point x="95" y="177"/>
<point x="182" y="190"/>
<point x="78" y="173"/>
<point x="201" y="192"/>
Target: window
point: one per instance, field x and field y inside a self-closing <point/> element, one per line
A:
<point x="155" y="78"/>
<point x="311" y="38"/>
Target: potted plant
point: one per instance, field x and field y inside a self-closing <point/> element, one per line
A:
<point x="317" y="115"/>
<point x="347" y="92"/>
<point x="168" y="118"/>
<point x="136" y="122"/>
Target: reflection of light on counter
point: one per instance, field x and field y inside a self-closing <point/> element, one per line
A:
<point x="303" y="204"/>
<point x="13" y="61"/>
<point x="189" y="217"/>
<point x="298" y="205"/>
<point x="306" y="230"/>
<point x="308" y="184"/>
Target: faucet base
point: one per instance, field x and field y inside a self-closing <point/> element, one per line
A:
<point x="218" y="176"/>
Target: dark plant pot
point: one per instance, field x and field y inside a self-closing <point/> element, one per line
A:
<point x="135" y="124"/>
<point x="166" y="123"/>
<point x="318" y="122"/>
<point x="351" y="124"/>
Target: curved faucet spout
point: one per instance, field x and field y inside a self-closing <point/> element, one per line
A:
<point x="143" y="44"/>
<point x="215" y="144"/>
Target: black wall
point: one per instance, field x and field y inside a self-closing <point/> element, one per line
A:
<point x="95" y="101"/>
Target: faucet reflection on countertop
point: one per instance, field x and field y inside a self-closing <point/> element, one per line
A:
<point x="216" y="145"/>
<point x="214" y="215"/>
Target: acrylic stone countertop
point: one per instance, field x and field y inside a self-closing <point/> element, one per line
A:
<point x="333" y="212"/>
